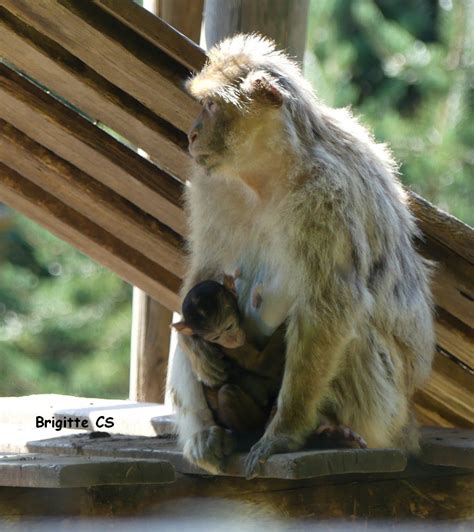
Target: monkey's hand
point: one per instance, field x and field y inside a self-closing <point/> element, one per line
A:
<point x="209" y="448"/>
<point x="207" y="360"/>
<point x="264" y="448"/>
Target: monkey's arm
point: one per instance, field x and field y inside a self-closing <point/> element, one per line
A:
<point x="267" y="362"/>
<point x="314" y="355"/>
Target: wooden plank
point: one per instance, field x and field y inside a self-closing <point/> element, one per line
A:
<point x="448" y="392"/>
<point x="184" y="16"/>
<point x="428" y="498"/>
<point x="117" y="54"/>
<point x="150" y="348"/>
<point x="69" y="77"/>
<point x="301" y="465"/>
<point x="72" y="137"/>
<point x="66" y="223"/>
<point x="443" y="227"/>
<point x="448" y="447"/>
<point x="158" y="32"/>
<point x="455" y="337"/>
<point x="92" y="199"/>
<point x="43" y="471"/>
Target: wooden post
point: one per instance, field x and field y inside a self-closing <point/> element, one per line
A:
<point x="285" y="21"/>
<point x="151" y="334"/>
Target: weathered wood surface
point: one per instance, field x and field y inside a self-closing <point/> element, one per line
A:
<point x="284" y="21"/>
<point x="151" y="335"/>
<point x="68" y="224"/>
<point x="66" y="75"/>
<point x="163" y="34"/>
<point x="90" y="198"/>
<point x="45" y="471"/>
<point x="449" y="447"/>
<point x="306" y="464"/>
<point x="136" y="68"/>
<point x="431" y="498"/>
<point x="76" y="140"/>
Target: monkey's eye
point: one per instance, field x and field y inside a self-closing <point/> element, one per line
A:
<point x="229" y="327"/>
<point x="211" y="106"/>
<point x="215" y="338"/>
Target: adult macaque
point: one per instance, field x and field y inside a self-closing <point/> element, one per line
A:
<point x="290" y="189"/>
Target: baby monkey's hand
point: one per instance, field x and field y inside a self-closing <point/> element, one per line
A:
<point x="207" y="360"/>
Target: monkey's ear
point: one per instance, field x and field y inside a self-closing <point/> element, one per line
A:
<point x="182" y="327"/>
<point x="229" y="283"/>
<point x="262" y="87"/>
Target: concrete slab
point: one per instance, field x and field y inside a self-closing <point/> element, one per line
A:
<point x="448" y="447"/>
<point x="46" y="471"/>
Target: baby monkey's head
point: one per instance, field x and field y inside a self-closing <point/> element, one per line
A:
<point x="210" y="311"/>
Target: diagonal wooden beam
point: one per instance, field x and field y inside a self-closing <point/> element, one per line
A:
<point x="75" y="139"/>
<point x="157" y="32"/>
<point x="118" y="54"/>
<point x="66" y="223"/>
<point x="90" y="198"/>
<point x="61" y="72"/>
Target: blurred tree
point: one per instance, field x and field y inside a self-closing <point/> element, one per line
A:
<point x="407" y="67"/>
<point x="64" y="320"/>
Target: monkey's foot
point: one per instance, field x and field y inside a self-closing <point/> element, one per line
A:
<point x="341" y="435"/>
<point x="209" y="448"/>
<point x="263" y="449"/>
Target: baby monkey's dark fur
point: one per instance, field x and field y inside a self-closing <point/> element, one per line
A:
<point x="245" y="401"/>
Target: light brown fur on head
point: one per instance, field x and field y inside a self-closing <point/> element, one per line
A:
<point x="305" y="193"/>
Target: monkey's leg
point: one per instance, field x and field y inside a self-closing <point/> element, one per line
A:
<point x="204" y="443"/>
<point x="238" y="411"/>
<point x="314" y="353"/>
<point x="340" y="434"/>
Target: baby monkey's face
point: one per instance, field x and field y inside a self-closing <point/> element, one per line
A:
<point x="228" y="333"/>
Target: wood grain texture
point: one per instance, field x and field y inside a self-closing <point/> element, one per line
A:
<point x="284" y="21"/>
<point x="92" y="199"/>
<point x="444" y="227"/>
<point x="159" y="31"/>
<point x="68" y="76"/>
<point x="151" y="335"/>
<point x="47" y="121"/>
<point x="118" y="55"/>
<point x="66" y="223"/>
<point x="43" y="471"/>
<point x="301" y="465"/>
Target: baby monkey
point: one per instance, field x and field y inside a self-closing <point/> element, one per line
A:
<point x="245" y="402"/>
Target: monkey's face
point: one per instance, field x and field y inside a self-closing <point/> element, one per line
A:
<point x="231" y="336"/>
<point x="208" y="138"/>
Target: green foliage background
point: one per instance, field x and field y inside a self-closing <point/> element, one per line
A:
<point x="404" y="65"/>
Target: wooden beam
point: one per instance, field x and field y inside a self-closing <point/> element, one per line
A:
<point x="90" y="198"/>
<point x="184" y="16"/>
<point x="75" y="139"/>
<point x="66" y="223"/>
<point x="159" y="31"/>
<point x="151" y="333"/>
<point x="64" y="74"/>
<point x="150" y="348"/>
<point x="118" y="54"/>
<point x="284" y="21"/>
<point x="443" y="227"/>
